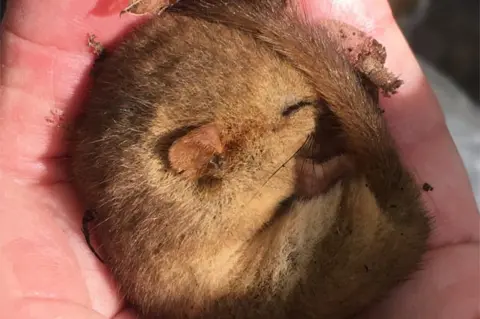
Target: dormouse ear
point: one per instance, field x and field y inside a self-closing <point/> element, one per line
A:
<point x="192" y="153"/>
<point x="139" y="7"/>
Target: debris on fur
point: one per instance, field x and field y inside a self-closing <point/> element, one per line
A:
<point x="365" y="53"/>
<point x="140" y="7"/>
<point x="427" y="187"/>
<point x="56" y="118"/>
<point x="96" y="46"/>
<point x="98" y="50"/>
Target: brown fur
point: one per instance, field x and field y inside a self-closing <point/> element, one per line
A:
<point x="258" y="234"/>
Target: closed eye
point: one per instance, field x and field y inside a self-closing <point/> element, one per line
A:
<point x="291" y="109"/>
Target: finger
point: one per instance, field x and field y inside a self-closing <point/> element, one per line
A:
<point x="415" y="120"/>
<point x="63" y="25"/>
<point x="43" y="253"/>
<point x="45" y="63"/>
<point x="36" y="260"/>
<point x="47" y="309"/>
<point x="449" y="289"/>
<point x="126" y="314"/>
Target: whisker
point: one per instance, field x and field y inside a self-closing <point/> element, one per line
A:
<point x="278" y="169"/>
<point x="313" y="164"/>
<point x="285" y="163"/>
<point x="301" y="169"/>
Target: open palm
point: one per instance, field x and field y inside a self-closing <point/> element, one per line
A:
<point x="46" y="269"/>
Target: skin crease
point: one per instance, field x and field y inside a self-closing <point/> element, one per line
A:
<point x="45" y="267"/>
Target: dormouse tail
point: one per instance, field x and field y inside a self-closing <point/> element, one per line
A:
<point x="307" y="48"/>
<point x="312" y="50"/>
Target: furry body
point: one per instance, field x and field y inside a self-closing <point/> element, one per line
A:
<point x="187" y="236"/>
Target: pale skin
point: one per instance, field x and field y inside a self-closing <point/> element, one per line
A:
<point x="47" y="270"/>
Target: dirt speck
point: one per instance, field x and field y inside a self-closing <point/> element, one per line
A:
<point x="427" y="187"/>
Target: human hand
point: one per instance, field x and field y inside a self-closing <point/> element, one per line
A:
<point x="47" y="270"/>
